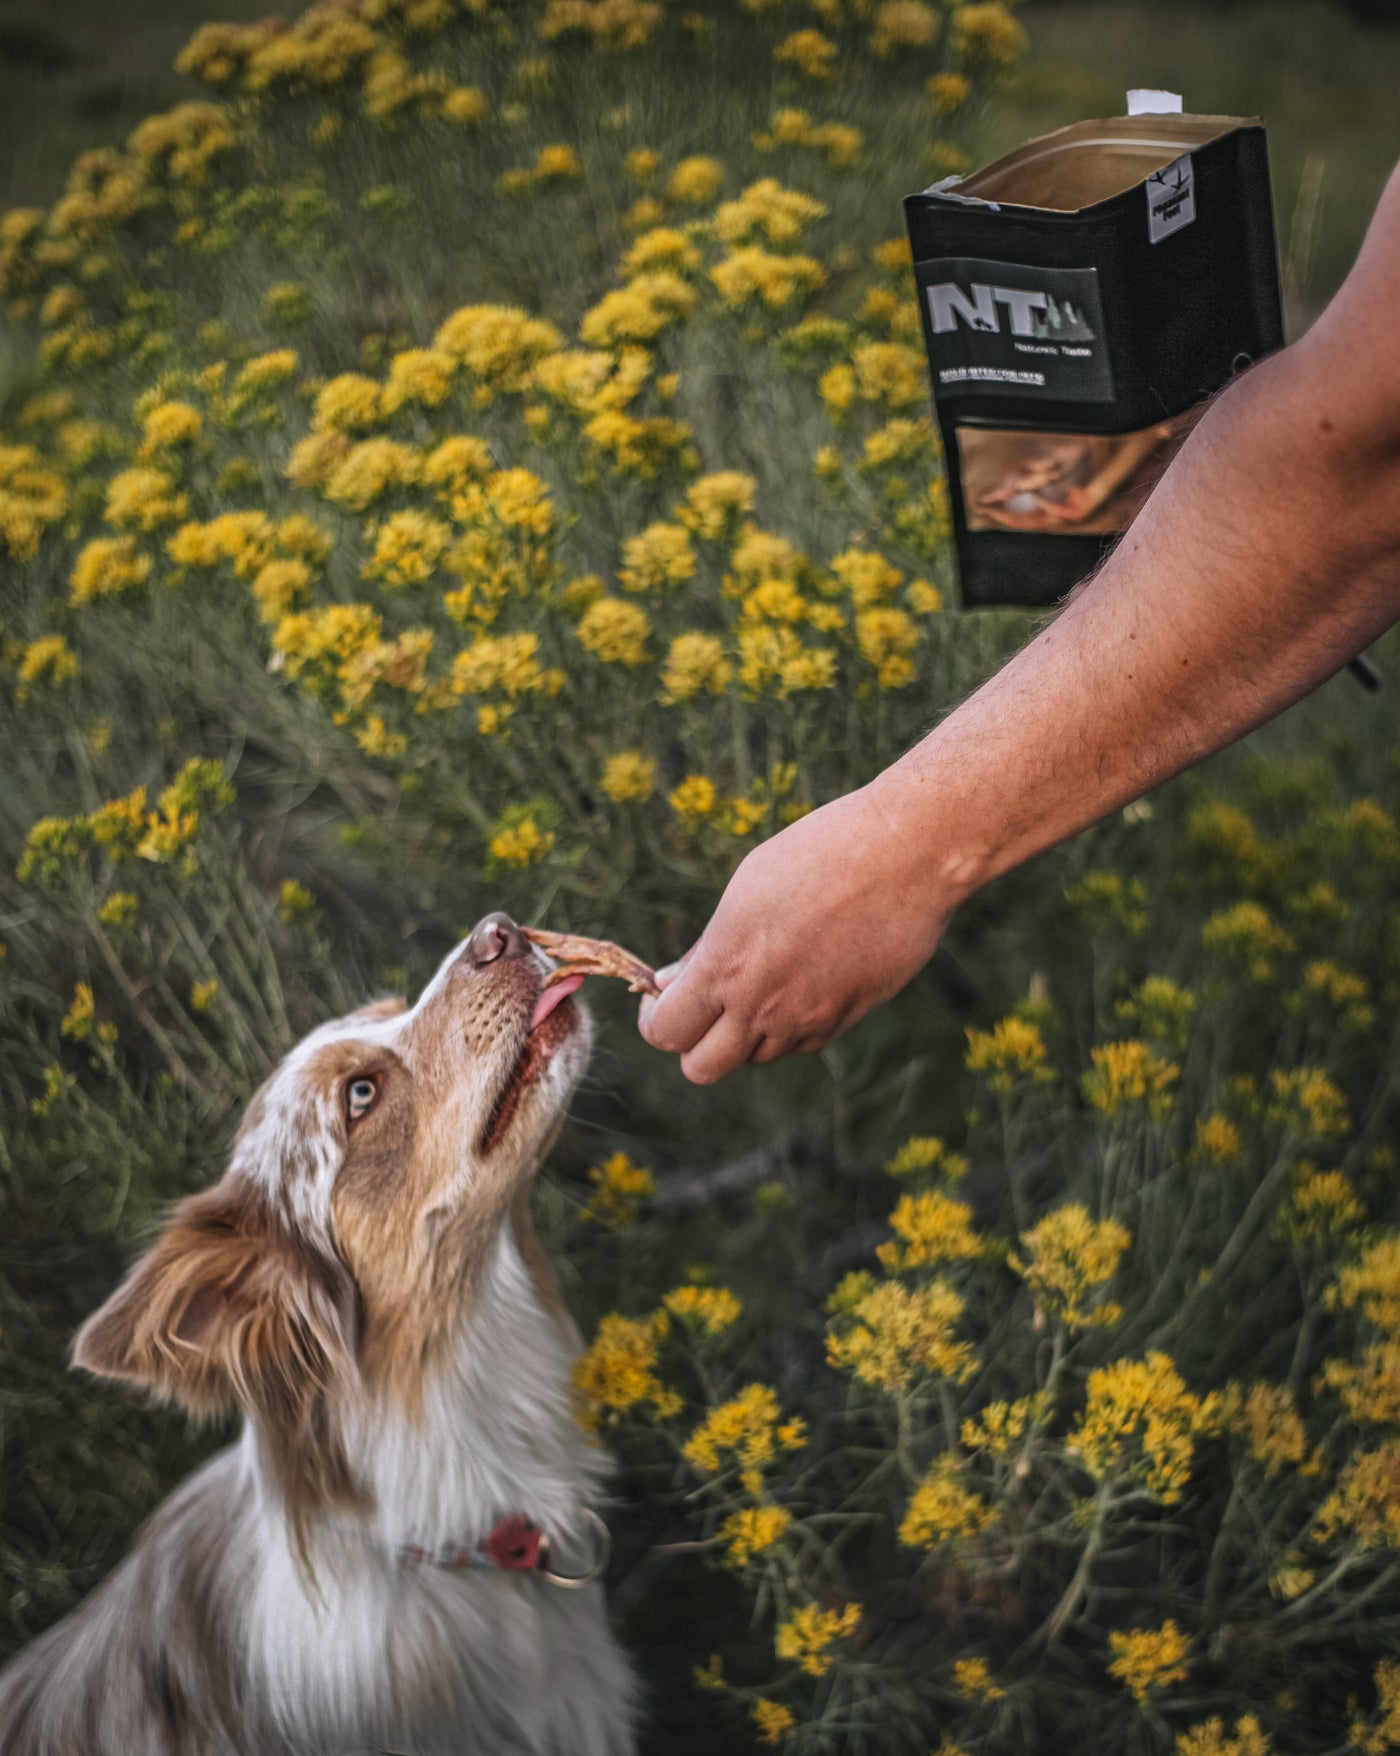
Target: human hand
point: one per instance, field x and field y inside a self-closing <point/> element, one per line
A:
<point x="817" y="926"/>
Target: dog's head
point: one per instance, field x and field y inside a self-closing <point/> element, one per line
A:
<point x="369" y="1178"/>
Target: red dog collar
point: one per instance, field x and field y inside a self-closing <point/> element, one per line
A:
<point x="514" y="1544"/>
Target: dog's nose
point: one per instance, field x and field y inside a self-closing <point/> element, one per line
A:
<point x="495" y="936"/>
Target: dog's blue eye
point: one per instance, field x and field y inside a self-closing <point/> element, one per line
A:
<point x="359" y="1095"/>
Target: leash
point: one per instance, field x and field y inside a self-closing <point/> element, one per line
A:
<point x="515" y="1544"/>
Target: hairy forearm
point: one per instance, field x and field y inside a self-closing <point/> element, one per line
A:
<point x="1267" y="557"/>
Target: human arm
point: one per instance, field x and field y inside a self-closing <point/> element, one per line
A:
<point x="1267" y="557"/>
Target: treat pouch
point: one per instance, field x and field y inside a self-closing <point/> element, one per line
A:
<point x="1080" y="299"/>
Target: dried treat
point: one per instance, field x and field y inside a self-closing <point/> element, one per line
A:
<point x="577" y="956"/>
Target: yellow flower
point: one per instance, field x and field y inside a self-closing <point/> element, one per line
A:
<point x="77" y="1021"/>
<point x="50" y="657"/>
<point x="347" y="404"/>
<point x="809" y="51"/>
<point x="1247" y="932"/>
<point x="987" y="34"/>
<point x="886" y="638"/>
<point x="749" y="271"/>
<point x="934" y="1229"/>
<point x="463" y="105"/>
<point x="810" y="1632"/>
<point x="695" y="180"/>
<point x="1108" y="894"/>
<point x="618" y="1372"/>
<point x="780" y="215"/>
<point x="659" y="556"/>
<point x="643" y="164"/>
<point x="772" y="1721"/>
<point x="637" y="312"/>
<point x="31" y="498"/>
<point x="1218" y="1140"/>
<point x="143" y="499"/>
<point x="972" y="1679"/>
<point x="895" y="1331"/>
<point x="1365" y="1508"/>
<point x="1140" y="1424"/>
<point x="712" y="1309"/>
<point x="714" y="502"/>
<point x="407" y="548"/>
<point x="279" y="586"/>
<point x="948" y="92"/>
<point x="924" y="599"/>
<point x="616" y="631"/>
<point x="1001" y="1426"/>
<point x="1147" y="1660"/>
<point x="1384" y="1733"/>
<point x="890" y="372"/>
<point x="554" y="163"/>
<point x="456" y="463"/>
<point x="118" y="910"/>
<point x="628" y="775"/>
<point x="942" y="1510"/>
<point x="695" y="665"/>
<point x="1266" y="1417"/>
<point x="926" y="1153"/>
<point x="774" y="660"/>
<point x="619" y="1189"/>
<point x="1323" y="1206"/>
<point x="266" y="371"/>
<point x="202" y="995"/>
<point x="710" y="1675"/>
<point x="1163" y="1010"/>
<point x="1012" y="1050"/>
<point x="370" y="469"/>
<point x="693" y="800"/>
<point x="903" y="24"/>
<point x="1210" y="1739"/>
<point x="108" y="565"/>
<point x="521" y="844"/>
<point x="745" y="1430"/>
<point x="1129" y="1073"/>
<point x="752" y="1531"/>
<point x="663" y="247"/>
<point x="498" y="344"/>
<point x="421" y="375"/>
<point x="1308" y="1104"/>
<point x="1069" y="1256"/>
<point x="169" y="424"/>
<point x="506" y="662"/>
<point x="1373" y="1282"/>
<point x="294" y="901"/>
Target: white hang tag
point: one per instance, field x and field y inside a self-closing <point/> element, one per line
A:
<point x="1171" y="199"/>
<point x="1142" y="101"/>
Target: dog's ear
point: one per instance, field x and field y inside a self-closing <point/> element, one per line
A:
<point x="227" y="1306"/>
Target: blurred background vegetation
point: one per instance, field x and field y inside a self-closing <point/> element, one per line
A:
<point x="1322" y="73"/>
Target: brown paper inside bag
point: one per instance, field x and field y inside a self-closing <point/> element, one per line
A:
<point x="1090" y="161"/>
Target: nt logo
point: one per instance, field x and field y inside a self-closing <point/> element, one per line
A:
<point x="1032" y="314"/>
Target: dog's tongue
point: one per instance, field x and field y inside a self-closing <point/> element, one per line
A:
<point x="553" y="996"/>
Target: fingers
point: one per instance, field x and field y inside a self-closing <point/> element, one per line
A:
<point x="727" y="1044"/>
<point x="676" y="1019"/>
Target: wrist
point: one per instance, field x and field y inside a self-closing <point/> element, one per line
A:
<point x="932" y="841"/>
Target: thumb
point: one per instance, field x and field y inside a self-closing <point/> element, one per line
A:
<point x="675" y="1018"/>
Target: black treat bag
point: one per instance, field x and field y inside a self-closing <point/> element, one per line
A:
<point x="1080" y="299"/>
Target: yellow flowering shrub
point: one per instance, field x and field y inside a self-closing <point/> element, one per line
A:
<point x="1147" y="1660"/>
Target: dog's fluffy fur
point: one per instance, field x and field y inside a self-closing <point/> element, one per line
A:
<point x="369" y="1292"/>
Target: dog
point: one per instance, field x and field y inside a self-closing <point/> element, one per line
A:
<point x="399" y="1553"/>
